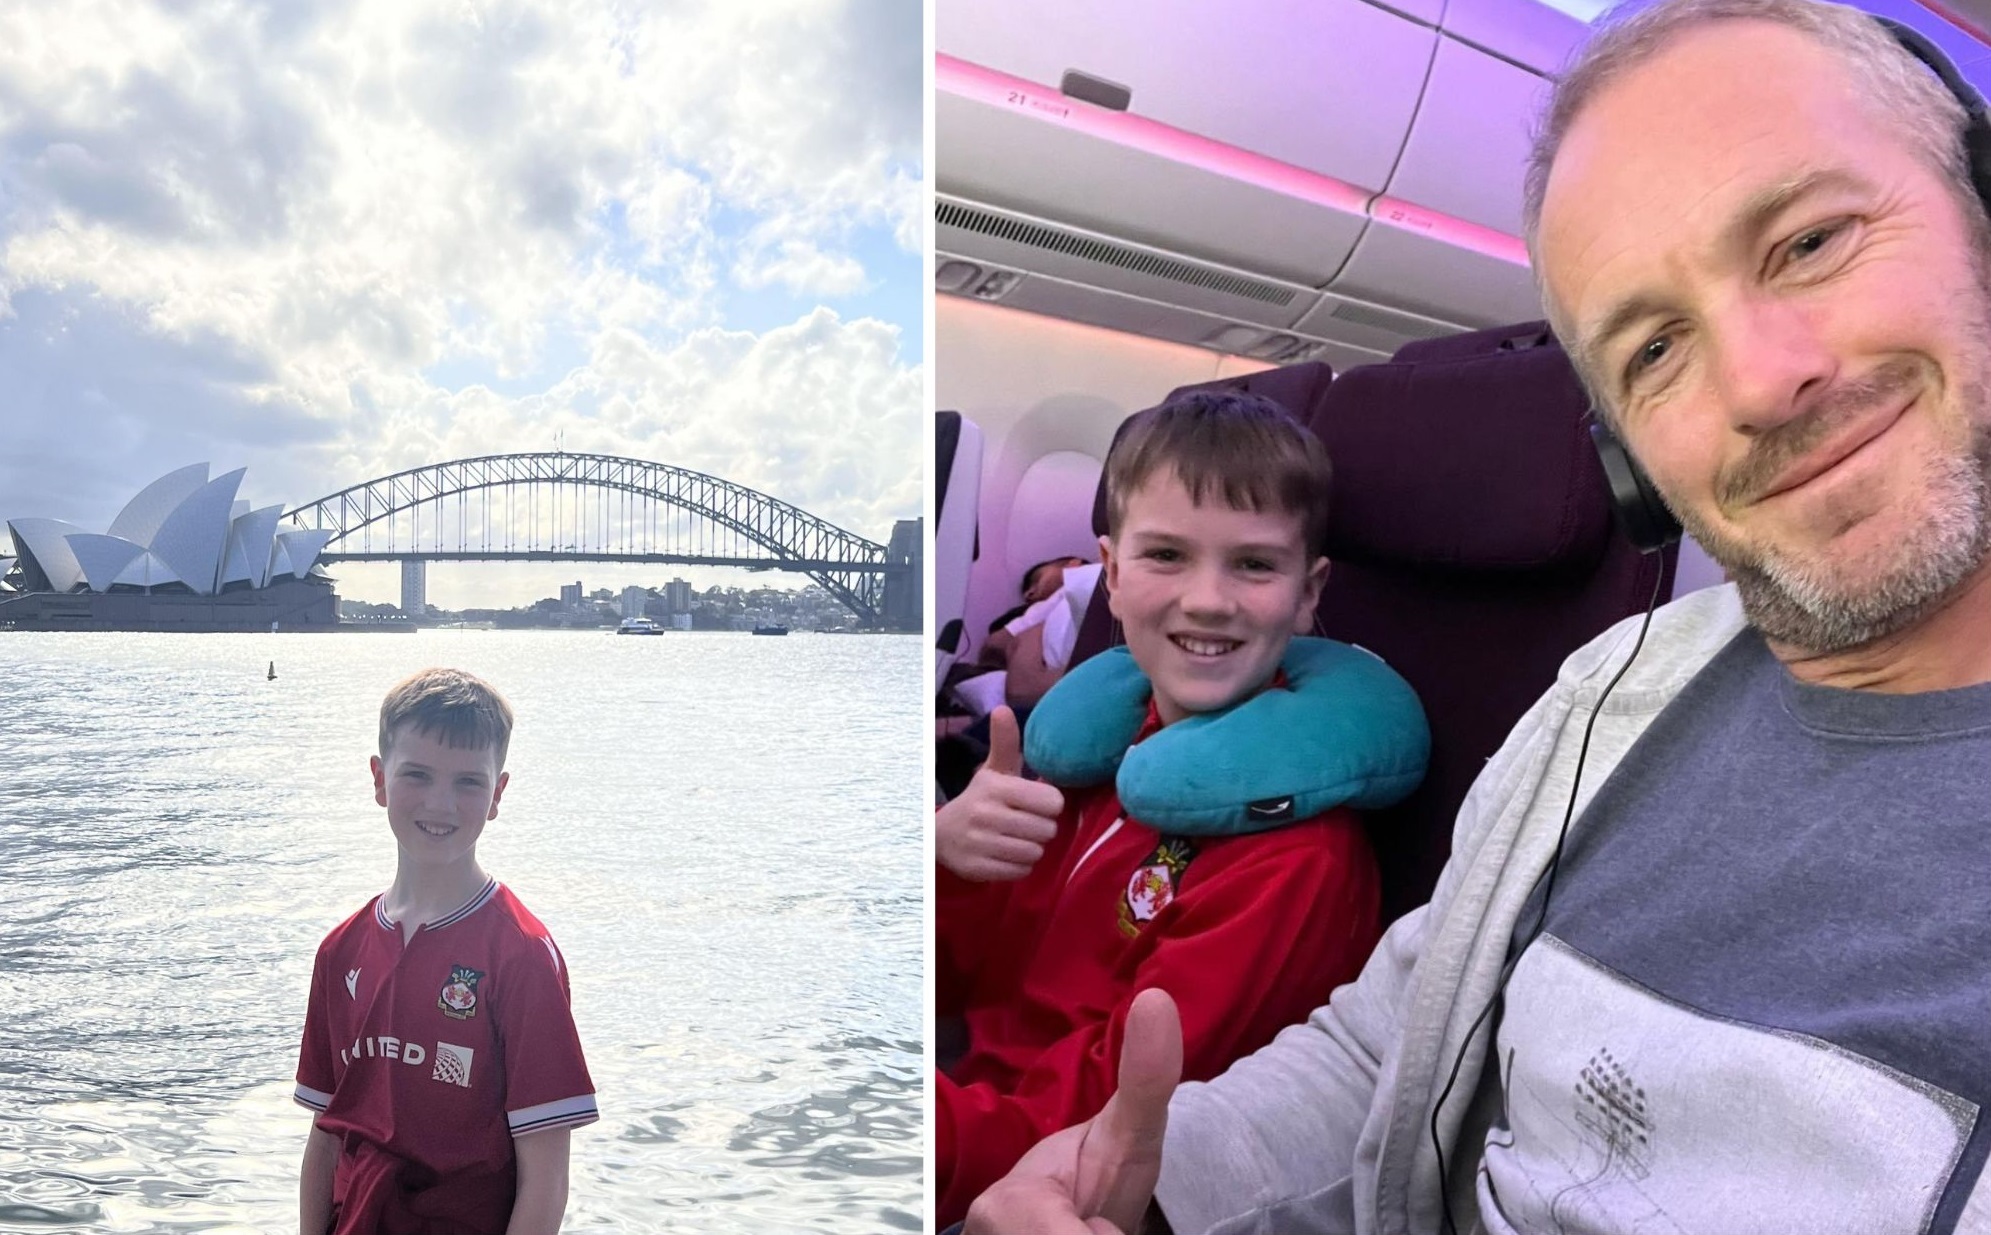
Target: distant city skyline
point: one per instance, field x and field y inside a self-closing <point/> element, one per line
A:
<point x="590" y="593"/>
<point x="332" y="241"/>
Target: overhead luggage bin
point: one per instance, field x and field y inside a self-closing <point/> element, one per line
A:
<point x="1438" y="267"/>
<point x="1347" y="173"/>
<point x="1329" y="87"/>
<point x="1135" y="179"/>
<point x="1527" y="33"/>
<point x="1465" y="154"/>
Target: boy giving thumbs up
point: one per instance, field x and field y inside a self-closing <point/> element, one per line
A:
<point x="1055" y="909"/>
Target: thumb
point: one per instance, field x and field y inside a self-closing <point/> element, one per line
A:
<point x="1136" y="1120"/>
<point x="1005" y="743"/>
<point x="1150" y="1068"/>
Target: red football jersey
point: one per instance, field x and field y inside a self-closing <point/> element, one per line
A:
<point x="425" y="1060"/>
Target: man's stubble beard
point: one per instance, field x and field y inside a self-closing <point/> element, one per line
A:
<point x="1823" y="605"/>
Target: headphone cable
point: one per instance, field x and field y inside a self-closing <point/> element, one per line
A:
<point x="1541" y="917"/>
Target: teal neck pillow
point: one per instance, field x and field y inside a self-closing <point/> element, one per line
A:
<point x="1348" y="731"/>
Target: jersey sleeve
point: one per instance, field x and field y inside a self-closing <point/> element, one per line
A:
<point x="546" y="1076"/>
<point x="976" y="945"/>
<point x="315" y="1056"/>
<point x="1249" y="948"/>
<point x="965" y="916"/>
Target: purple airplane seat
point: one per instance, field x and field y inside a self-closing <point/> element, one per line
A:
<point x="1473" y="549"/>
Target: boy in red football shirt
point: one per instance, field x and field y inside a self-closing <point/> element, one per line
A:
<point x="439" y="1048"/>
<point x="1054" y="910"/>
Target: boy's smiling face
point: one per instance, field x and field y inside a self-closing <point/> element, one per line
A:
<point x="1208" y="595"/>
<point x="438" y="797"/>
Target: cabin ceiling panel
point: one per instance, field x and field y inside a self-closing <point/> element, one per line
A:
<point x="1932" y="21"/>
<point x="1467" y="150"/>
<point x="1527" y="32"/>
<point x="1329" y="86"/>
<point x="1113" y="310"/>
<point x="1094" y="306"/>
<point x="1973" y="12"/>
<point x="1004" y="158"/>
<point x="1356" y="323"/>
<point x="1408" y="270"/>
<point x="1425" y="11"/>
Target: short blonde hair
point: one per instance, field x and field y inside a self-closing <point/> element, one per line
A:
<point x="462" y="709"/>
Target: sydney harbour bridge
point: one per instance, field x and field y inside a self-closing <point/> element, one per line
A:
<point x="560" y="506"/>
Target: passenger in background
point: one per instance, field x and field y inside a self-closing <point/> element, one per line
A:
<point x="1248" y="907"/>
<point x="1033" y="645"/>
<point x="1044" y="579"/>
<point x="1027" y="651"/>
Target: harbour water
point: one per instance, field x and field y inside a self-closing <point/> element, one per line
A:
<point x="723" y="833"/>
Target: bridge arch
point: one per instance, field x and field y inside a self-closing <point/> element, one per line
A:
<point x="754" y="530"/>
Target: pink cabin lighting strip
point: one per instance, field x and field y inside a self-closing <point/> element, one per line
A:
<point x="997" y="89"/>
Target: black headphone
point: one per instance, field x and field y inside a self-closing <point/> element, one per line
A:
<point x="1642" y="514"/>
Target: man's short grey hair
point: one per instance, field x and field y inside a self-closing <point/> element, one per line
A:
<point x="1887" y="76"/>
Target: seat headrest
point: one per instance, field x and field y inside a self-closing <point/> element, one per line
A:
<point x="1295" y="388"/>
<point x="1520" y="337"/>
<point x="1464" y="461"/>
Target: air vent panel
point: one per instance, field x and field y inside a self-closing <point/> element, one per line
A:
<point x="1051" y="239"/>
<point x="1396" y="323"/>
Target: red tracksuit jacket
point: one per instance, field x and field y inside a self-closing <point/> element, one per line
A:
<point x="1249" y="934"/>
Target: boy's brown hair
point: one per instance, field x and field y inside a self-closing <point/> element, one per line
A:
<point x="1241" y="447"/>
<point x="459" y="708"/>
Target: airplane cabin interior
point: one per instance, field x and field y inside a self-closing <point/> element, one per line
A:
<point x="1323" y="207"/>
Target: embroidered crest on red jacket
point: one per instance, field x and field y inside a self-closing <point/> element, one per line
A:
<point x="459" y="995"/>
<point x="1154" y="884"/>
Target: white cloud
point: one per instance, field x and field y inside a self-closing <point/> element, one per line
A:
<point x="796" y="263"/>
<point x="278" y="233"/>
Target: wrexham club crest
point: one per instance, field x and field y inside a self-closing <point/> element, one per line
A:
<point x="459" y="994"/>
<point x="1154" y="885"/>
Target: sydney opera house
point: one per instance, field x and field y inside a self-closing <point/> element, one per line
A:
<point x="184" y="554"/>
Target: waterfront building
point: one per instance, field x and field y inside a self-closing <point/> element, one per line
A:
<point x="184" y="554"/>
<point x="414" y="587"/>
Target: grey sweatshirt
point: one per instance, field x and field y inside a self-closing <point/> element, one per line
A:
<point x="1328" y="1129"/>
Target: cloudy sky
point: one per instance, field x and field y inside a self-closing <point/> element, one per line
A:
<point x="332" y="239"/>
